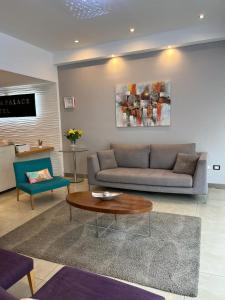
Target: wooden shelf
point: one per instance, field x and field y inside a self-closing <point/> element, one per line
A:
<point x="34" y="150"/>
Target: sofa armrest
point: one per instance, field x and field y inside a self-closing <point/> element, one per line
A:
<point x="93" y="167"/>
<point x="200" y="182"/>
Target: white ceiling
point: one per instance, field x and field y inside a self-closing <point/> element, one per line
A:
<point x="50" y="25"/>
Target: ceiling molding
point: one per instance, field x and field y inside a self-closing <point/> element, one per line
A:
<point x="177" y="38"/>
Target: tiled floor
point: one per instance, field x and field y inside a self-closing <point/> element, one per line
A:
<point x="212" y="270"/>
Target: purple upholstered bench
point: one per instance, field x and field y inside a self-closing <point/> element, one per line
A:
<point x="6" y="296"/>
<point x="70" y="284"/>
<point x="73" y="284"/>
<point x="13" y="267"/>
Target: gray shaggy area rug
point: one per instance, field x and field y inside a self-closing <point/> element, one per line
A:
<point x="167" y="260"/>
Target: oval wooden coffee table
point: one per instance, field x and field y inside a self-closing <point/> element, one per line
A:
<point x="124" y="204"/>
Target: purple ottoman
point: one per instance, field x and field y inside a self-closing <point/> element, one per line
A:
<point x="13" y="267"/>
<point x="5" y="296"/>
<point x="70" y="284"/>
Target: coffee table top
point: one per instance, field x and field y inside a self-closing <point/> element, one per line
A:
<point x="123" y="204"/>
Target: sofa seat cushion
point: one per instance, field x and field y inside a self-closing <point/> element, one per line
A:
<point x="131" y="156"/>
<point x="155" y="177"/>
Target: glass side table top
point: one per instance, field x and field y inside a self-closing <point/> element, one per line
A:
<point x="75" y="149"/>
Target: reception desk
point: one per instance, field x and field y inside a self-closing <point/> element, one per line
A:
<point x="8" y="156"/>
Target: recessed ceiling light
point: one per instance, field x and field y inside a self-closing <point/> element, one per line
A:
<point x="76" y="41"/>
<point x="201" y="16"/>
<point x="169" y="47"/>
<point x="132" y="29"/>
<point x="113" y="55"/>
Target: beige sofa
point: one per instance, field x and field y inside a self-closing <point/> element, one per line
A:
<point x="149" y="168"/>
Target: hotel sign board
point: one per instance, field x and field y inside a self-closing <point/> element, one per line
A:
<point x="17" y="106"/>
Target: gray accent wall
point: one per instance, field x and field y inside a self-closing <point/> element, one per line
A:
<point x="197" y="74"/>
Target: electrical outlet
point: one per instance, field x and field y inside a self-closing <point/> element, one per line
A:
<point x="216" y="167"/>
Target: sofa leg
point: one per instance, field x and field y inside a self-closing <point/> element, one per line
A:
<point x="31" y="202"/>
<point x="18" y="194"/>
<point x="204" y="199"/>
<point x="30" y="277"/>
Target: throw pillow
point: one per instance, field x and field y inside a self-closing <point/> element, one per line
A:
<point x="38" y="176"/>
<point x="186" y="163"/>
<point x="107" y="159"/>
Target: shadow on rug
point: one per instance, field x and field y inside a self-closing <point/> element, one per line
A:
<point x="168" y="260"/>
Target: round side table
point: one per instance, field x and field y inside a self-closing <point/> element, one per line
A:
<point x="74" y="152"/>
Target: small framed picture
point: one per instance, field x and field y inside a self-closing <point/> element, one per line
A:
<point x="69" y="102"/>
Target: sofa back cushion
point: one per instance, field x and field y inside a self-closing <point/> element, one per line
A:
<point x="132" y="156"/>
<point x="163" y="156"/>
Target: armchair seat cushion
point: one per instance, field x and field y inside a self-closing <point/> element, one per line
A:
<point x="13" y="267"/>
<point x="70" y="284"/>
<point x="39" y="187"/>
<point x="153" y="177"/>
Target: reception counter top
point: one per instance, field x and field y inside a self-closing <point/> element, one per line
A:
<point x="35" y="150"/>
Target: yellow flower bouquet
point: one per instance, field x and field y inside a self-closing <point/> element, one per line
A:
<point x="73" y="134"/>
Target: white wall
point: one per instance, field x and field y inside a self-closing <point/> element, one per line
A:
<point x="20" y="57"/>
<point x="197" y="74"/>
<point x="45" y="126"/>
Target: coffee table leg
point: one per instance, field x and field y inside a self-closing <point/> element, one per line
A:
<point x="70" y="208"/>
<point x="149" y="224"/>
<point x="96" y="226"/>
<point x="115" y="216"/>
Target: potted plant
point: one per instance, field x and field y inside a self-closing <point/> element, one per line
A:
<point x="73" y="135"/>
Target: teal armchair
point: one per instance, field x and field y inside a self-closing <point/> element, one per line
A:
<point x="20" y="169"/>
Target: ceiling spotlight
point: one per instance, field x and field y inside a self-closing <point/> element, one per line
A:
<point x="201" y="16"/>
<point x="169" y="47"/>
<point x="76" y="41"/>
<point x="132" y="29"/>
<point x="113" y="55"/>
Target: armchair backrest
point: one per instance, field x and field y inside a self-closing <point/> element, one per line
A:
<point x="21" y="167"/>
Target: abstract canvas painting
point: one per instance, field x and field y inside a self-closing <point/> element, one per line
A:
<point x="143" y="104"/>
